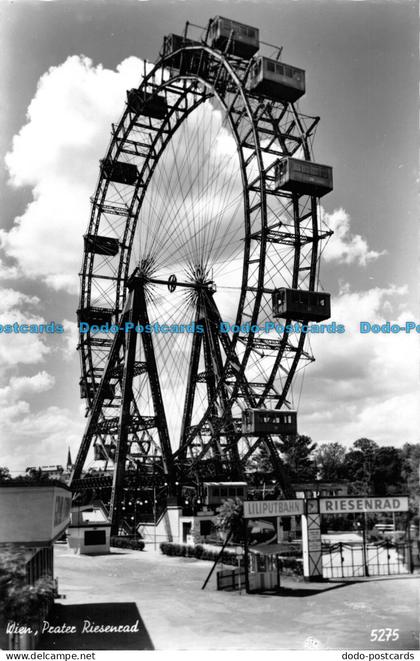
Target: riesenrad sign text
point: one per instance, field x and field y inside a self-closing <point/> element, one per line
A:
<point x="365" y="504"/>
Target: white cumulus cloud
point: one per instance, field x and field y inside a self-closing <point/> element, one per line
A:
<point x="364" y="384"/>
<point x="56" y="153"/>
<point x="345" y="247"/>
<point x="15" y="348"/>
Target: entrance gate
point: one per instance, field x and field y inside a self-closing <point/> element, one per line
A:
<point x="343" y="560"/>
<point x="339" y="560"/>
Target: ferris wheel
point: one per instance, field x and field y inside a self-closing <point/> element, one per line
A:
<point x="205" y="229"/>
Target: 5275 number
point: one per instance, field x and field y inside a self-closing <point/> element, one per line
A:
<point x="384" y="634"/>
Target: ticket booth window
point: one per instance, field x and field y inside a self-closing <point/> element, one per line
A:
<point x="95" y="537"/>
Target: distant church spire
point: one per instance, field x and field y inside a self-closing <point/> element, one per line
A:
<point x="69" y="461"/>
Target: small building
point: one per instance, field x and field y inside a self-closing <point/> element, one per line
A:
<point x="32" y="516"/>
<point x="90" y="529"/>
<point x="216" y="492"/>
<point x="321" y="488"/>
<point x="200" y="524"/>
<point x="54" y="472"/>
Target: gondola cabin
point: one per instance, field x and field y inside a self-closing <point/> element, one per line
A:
<point x="193" y="62"/>
<point x="148" y="105"/>
<point x="95" y="316"/>
<point x="87" y="390"/>
<point x="269" y="421"/>
<point x="301" y="305"/>
<point x="216" y="492"/>
<point x="303" y="177"/>
<point x="101" y="245"/>
<point x="120" y="172"/>
<point x="244" y="39"/>
<point x="277" y="80"/>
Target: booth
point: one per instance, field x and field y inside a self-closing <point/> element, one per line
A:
<point x="264" y="571"/>
<point x="90" y="529"/>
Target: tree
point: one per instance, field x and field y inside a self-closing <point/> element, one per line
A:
<point x="297" y="451"/>
<point x="23" y="603"/>
<point x="410" y="472"/>
<point x="261" y="461"/>
<point x="230" y="518"/>
<point x="359" y="466"/>
<point x="330" y="461"/>
<point x="387" y="471"/>
<point x="37" y="475"/>
<point x="4" y="473"/>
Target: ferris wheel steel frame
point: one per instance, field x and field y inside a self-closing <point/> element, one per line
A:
<point x="262" y="128"/>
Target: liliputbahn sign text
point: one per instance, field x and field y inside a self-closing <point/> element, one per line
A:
<point x="311" y="511"/>
<point x="255" y="508"/>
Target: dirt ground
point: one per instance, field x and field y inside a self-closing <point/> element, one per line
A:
<point x="161" y="599"/>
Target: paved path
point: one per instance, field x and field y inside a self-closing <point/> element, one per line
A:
<point x="165" y="595"/>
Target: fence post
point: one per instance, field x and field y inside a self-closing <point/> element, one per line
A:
<point x="246" y="555"/>
<point x="410" y="550"/>
<point x="365" y="564"/>
<point x="340" y="550"/>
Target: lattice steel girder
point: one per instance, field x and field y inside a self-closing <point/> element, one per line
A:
<point x="125" y="418"/>
<point x="139" y="367"/>
<point x="96" y="408"/>
<point x="193" y="378"/>
<point x="136" y="424"/>
<point x="112" y="209"/>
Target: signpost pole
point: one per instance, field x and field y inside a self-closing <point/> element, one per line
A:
<point x="246" y="556"/>
<point x="410" y="548"/>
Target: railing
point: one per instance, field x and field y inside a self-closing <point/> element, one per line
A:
<point x="231" y="579"/>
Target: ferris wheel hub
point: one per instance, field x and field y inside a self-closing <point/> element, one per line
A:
<point x="139" y="278"/>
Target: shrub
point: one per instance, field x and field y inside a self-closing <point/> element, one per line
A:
<point x="199" y="552"/>
<point x="25" y="603"/>
<point x="127" y="543"/>
<point x="164" y="548"/>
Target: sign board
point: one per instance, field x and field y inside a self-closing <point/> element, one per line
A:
<point x="256" y="508"/>
<point x="314" y="539"/>
<point x="363" y="504"/>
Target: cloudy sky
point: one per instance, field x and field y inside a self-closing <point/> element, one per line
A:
<point x="65" y="68"/>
